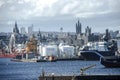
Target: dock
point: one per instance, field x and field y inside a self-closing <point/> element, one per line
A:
<point x="24" y="60"/>
<point x="81" y="77"/>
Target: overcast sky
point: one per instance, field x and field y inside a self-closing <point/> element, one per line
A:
<point x="50" y="15"/>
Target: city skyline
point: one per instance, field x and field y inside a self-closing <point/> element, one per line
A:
<point x="51" y="15"/>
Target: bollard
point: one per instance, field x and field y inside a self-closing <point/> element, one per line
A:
<point x="52" y="76"/>
<point x="43" y="73"/>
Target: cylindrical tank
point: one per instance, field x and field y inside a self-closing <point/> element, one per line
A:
<point x="48" y="50"/>
<point x="66" y="50"/>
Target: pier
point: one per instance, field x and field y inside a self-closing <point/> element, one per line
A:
<point x="82" y="77"/>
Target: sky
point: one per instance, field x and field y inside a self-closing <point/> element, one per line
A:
<point x="51" y="15"/>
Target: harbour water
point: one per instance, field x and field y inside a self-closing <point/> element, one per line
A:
<point x="10" y="70"/>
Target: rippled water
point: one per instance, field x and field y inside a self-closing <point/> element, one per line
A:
<point x="10" y="70"/>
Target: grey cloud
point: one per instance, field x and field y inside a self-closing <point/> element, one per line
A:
<point x="61" y="7"/>
<point x="61" y="13"/>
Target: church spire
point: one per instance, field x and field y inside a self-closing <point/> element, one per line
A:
<point x="15" y="24"/>
<point x="15" y="29"/>
<point x="78" y="27"/>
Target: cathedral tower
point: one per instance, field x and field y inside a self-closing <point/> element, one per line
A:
<point x="78" y="28"/>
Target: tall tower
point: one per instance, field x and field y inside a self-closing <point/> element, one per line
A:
<point x="39" y="35"/>
<point x="30" y="30"/>
<point x="15" y="29"/>
<point x="107" y="35"/>
<point x="22" y="30"/>
<point x="88" y="31"/>
<point x="78" y="28"/>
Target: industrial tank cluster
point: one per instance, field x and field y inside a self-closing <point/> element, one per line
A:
<point x="60" y="51"/>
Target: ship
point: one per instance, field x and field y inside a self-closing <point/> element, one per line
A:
<point x="7" y="55"/>
<point x="93" y="51"/>
<point x="111" y="62"/>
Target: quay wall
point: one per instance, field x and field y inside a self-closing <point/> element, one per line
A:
<point x="82" y="77"/>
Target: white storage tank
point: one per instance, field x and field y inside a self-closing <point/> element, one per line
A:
<point x="48" y="50"/>
<point x="66" y="51"/>
<point x="40" y="49"/>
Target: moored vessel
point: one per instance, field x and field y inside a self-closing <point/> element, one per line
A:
<point x="93" y="51"/>
<point x="111" y="62"/>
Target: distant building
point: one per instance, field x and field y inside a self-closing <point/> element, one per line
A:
<point x="30" y="30"/>
<point x="88" y="31"/>
<point x="113" y="34"/>
<point x="5" y="37"/>
<point x="19" y="37"/>
<point x="15" y="29"/>
<point x="78" y="28"/>
<point x="106" y="37"/>
<point x="39" y="36"/>
<point x="88" y="35"/>
<point x="23" y="31"/>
